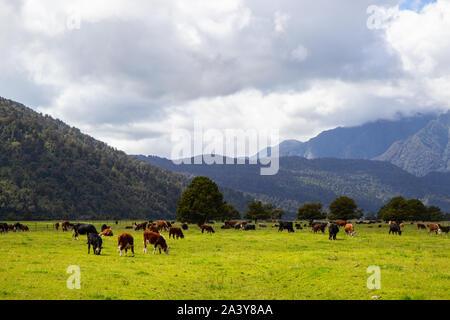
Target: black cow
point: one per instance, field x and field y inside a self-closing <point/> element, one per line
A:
<point x="17" y="226"/>
<point x="104" y="227"/>
<point x="395" y="228"/>
<point x="184" y="226"/>
<point x="288" y="225"/>
<point x="445" y="229"/>
<point x="3" y="227"/>
<point x="83" y="228"/>
<point x="237" y="226"/>
<point x="298" y="226"/>
<point x="249" y="227"/>
<point x="333" y="229"/>
<point x="96" y="241"/>
<point x="169" y="224"/>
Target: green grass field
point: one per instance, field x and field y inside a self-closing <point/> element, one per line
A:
<point x="230" y="264"/>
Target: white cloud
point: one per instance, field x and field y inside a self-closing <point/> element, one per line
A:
<point x="300" y="53"/>
<point x="280" y="21"/>
<point x="134" y="71"/>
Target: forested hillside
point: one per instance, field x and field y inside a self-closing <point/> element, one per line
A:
<point x="299" y="180"/>
<point x="49" y="169"/>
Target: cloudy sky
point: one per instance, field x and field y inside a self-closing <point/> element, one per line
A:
<point x="131" y="72"/>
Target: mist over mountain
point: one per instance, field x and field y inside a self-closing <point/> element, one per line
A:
<point x="366" y="141"/>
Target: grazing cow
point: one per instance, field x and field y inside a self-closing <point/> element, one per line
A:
<point x="319" y="226"/>
<point x="333" y="230"/>
<point x="17" y="226"/>
<point x="298" y="226"/>
<point x="349" y="229"/>
<point x="379" y="226"/>
<point x="24" y="228"/>
<point x="445" y="229"/>
<point x="402" y="225"/>
<point x="249" y="227"/>
<point x="10" y="227"/>
<point x="3" y="227"/>
<point x="175" y="231"/>
<point x="83" y="228"/>
<point x="162" y="225"/>
<point x="341" y="223"/>
<point x="184" y="226"/>
<point x="57" y="226"/>
<point x="230" y="222"/>
<point x="262" y="225"/>
<point x="125" y="242"/>
<point x="157" y="240"/>
<point x="288" y="225"/>
<point x="208" y="229"/>
<point x="395" y="229"/>
<point x="153" y="228"/>
<point x="104" y="227"/>
<point x="95" y="241"/>
<point x="65" y="225"/>
<point x="107" y="233"/>
<point x="421" y="226"/>
<point x="141" y="226"/>
<point x="435" y="227"/>
<point x="116" y="222"/>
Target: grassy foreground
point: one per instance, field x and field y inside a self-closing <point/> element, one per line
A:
<point x="230" y="264"/>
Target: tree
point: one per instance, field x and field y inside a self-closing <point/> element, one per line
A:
<point x="310" y="211"/>
<point x="256" y="210"/>
<point x="230" y="212"/>
<point x="276" y="214"/>
<point x="434" y="214"/>
<point x="399" y="209"/>
<point x="343" y="208"/>
<point x="201" y="201"/>
<point x="394" y="210"/>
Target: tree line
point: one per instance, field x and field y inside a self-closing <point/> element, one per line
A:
<point x="202" y="201"/>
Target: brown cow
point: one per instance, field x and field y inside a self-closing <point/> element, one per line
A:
<point x="319" y="226"/>
<point x="157" y="240"/>
<point x="107" y="233"/>
<point x="341" y="223"/>
<point x="208" y="229"/>
<point x="349" y="229"/>
<point x="435" y="227"/>
<point x="402" y="225"/>
<point x="141" y="226"/>
<point x="125" y="242"/>
<point x="175" y="231"/>
<point x="153" y="228"/>
<point x="65" y="225"/>
<point x="57" y="226"/>
<point x="421" y="226"/>
<point x="162" y="225"/>
<point x="24" y="228"/>
<point x="230" y="222"/>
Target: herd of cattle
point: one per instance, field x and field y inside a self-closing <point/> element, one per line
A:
<point x="152" y="231"/>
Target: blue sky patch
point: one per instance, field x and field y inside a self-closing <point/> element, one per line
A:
<point x="414" y="5"/>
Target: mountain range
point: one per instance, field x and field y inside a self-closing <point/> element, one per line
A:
<point x="370" y="183"/>
<point x="418" y="144"/>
